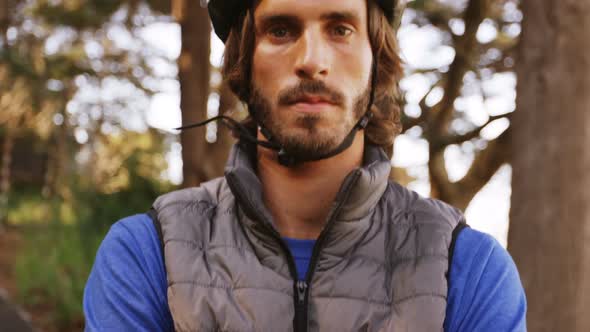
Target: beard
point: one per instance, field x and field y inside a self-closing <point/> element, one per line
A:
<point x="306" y="136"/>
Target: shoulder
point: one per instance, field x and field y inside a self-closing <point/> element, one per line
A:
<point x="478" y="251"/>
<point x="133" y="229"/>
<point x="208" y="193"/>
<point x="126" y="289"/>
<point x="423" y="210"/>
<point x="485" y="292"/>
<point x="132" y="236"/>
<point x="189" y="213"/>
<point x="132" y="241"/>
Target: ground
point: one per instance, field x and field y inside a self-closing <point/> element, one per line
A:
<point x="11" y="241"/>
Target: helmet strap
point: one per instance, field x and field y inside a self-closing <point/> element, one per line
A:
<point x="284" y="157"/>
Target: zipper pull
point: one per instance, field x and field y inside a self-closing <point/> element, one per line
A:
<point x="301" y="291"/>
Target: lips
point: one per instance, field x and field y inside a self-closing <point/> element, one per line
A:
<point x="311" y="100"/>
<point x="311" y="104"/>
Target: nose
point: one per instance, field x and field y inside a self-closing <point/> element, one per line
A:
<point x="312" y="57"/>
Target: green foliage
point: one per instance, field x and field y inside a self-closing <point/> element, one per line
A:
<point x="97" y="210"/>
<point x="78" y="14"/>
<point x="52" y="87"/>
<point x="52" y="271"/>
<point x="59" y="252"/>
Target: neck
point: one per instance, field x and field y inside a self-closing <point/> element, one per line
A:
<point x="299" y="198"/>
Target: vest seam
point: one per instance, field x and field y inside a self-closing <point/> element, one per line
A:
<point x="410" y="223"/>
<point x="429" y="213"/>
<point x="187" y="203"/>
<point x="404" y="222"/>
<point x="406" y="260"/>
<point x="360" y="299"/>
<point x="229" y="288"/>
<point x="410" y="207"/>
<point x="447" y="224"/>
<point x="420" y="223"/>
<point x="200" y="246"/>
<point x="385" y="304"/>
<point x="388" y="266"/>
<point x="407" y="298"/>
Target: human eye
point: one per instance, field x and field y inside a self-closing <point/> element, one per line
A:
<point x="279" y="32"/>
<point x="341" y="31"/>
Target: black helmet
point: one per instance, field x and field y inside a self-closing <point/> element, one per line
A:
<point x="224" y="13"/>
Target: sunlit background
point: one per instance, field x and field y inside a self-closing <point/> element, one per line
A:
<point x="90" y="94"/>
<point x="421" y="48"/>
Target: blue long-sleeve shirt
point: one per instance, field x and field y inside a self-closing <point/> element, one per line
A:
<point x="126" y="290"/>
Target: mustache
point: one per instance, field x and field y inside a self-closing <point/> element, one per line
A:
<point x="292" y="95"/>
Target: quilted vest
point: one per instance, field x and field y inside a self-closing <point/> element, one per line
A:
<point x="380" y="263"/>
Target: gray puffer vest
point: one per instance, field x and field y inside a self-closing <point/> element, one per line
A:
<point x="380" y="263"/>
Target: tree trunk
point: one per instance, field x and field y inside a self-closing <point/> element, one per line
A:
<point x="201" y="160"/>
<point x="550" y="215"/>
<point x="218" y="151"/>
<point x="193" y="74"/>
<point x="5" y="165"/>
<point x="6" y="12"/>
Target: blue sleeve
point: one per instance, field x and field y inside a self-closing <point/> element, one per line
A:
<point x="126" y="290"/>
<point x="485" y="292"/>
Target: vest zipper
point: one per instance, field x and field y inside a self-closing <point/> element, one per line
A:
<point x="298" y="301"/>
<point x="301" y="287"/>
<point x="301" y="306"/>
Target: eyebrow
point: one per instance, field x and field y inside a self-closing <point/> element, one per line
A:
<point x="340" y="16"/>
<point x="269" y="19"/>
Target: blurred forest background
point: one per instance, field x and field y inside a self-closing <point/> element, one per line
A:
<point x="80" y="147"/>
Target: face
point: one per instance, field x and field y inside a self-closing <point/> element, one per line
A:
<point x="310" y="72"/>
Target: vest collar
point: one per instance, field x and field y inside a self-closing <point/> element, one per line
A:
<point x="359" y="193"/>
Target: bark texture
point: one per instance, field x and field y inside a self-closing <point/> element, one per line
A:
<point x="5" y="165"/>
<point x="550" y="215"/>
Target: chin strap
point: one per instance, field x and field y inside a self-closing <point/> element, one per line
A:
<point x="236" y="127"/>
<point x="284" y="157"/>
<point x="289" y="160"/>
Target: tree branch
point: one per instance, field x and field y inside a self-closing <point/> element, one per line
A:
<point x="409" y="122"/>
<point x="457" y="139"/>
<point x="486" y="164"/>
<point x="466" y="51"/>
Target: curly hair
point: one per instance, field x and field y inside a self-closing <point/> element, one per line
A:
<point x="385" y="124"/>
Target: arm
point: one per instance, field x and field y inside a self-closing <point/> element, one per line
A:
<point x="485" y="292"/>
<point x="126" y="290"/>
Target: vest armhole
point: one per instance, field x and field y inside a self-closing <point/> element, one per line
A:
<point x="154" y="216"/>
<point x="460" y="226"/>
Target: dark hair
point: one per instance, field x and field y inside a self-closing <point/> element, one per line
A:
<point x="385" y="124"/>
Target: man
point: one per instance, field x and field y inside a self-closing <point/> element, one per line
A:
<point x="305" y="232"/>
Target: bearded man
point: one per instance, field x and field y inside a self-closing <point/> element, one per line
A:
<point x="305" y="232"/>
